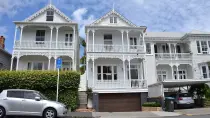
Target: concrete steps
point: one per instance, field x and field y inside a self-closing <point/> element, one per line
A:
<point x="82" y="99"/>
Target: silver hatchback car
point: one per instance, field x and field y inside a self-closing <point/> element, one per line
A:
<point x="21" y="102"/>
<point x="182" y="100"/>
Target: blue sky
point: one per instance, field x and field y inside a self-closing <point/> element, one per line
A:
<point x="157" y="15"/>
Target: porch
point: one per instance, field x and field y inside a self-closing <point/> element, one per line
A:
<point x="107" y="73"/>
<point x="38" y="62"/>
<point x="174" y="72"/>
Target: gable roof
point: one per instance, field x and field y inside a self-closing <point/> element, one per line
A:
<point x="115" y="13"/>
<point x="49" y="6"/>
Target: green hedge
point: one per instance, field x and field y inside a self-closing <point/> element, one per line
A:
<point x="151" y="104"/>
<point x="45" y="82"/>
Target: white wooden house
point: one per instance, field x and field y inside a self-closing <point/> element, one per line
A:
<point x="43" y="37"/>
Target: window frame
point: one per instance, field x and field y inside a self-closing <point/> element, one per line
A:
<point x="134" y="43"/>
<point x="68" y="39"/>
<point x="113" y="20"/>
<point x="148" y="49"/>
<point x="162" y="73"/>
<point x="181" y="76"/>
<point x="48" y="16"/>
<point x="102" y="73"/>
<point x="200" y="47"/>
<point x="40" y="38"/>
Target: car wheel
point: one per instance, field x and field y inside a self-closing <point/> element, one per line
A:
<point x="49" y="113"/>
<point x="2" y="112"/>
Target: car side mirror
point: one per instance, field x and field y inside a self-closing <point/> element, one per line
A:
<point x="37" y="98"/>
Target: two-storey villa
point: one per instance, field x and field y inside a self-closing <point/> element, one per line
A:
<point x="123" y="59"/>
<point x="43" y="37"/>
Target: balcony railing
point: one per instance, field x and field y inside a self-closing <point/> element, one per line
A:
<point x="42" y="45"/>
<point x="173" y="56"/>
<point x="128" y="84"/>
<point x="115" y="48"/>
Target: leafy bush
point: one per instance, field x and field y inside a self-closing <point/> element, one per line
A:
<point x="45" y="82"/>
<point x="151" y="104"/>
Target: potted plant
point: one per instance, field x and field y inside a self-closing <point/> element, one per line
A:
<point x="151" y="106"/>
<point x="89" y="93"/>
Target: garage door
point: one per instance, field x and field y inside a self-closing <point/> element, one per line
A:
<point x="119" y="102"/>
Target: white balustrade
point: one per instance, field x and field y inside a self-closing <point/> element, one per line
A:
<point x="130" y="84"/>
<point x="115" y="48"/>
<point x="173" y="56"/>
<point x="42" y="45"/>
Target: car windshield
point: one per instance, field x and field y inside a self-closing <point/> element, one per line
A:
<point x="43" y="97"/>
<point x="184" y="95"/>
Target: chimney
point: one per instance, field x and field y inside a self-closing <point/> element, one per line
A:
<point x="2" y="41"/>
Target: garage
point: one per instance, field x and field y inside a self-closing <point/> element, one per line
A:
<point x="119" y="102"/>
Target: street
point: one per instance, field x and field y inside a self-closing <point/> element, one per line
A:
<point x="199" y="116"/>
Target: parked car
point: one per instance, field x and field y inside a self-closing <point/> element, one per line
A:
<point x="21" y="102"/>
<point x="182" y="100"/>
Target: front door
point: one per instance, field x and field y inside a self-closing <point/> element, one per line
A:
<point x="135" y="75"/>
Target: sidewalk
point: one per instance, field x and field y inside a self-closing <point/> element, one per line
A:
<point x="195" y="111"/>
<point x="124" y="114"/>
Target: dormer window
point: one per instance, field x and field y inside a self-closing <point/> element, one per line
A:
<point x="50" y="14"/>
<point x="113" y="19"/>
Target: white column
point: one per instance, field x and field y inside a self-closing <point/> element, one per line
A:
<point x="142" y="70"/>
<point x="177" y="72"/>
<point x="49" y="63"/>
<point x="128" y="41"/>
<point x="51" y="31"/>
<point x="17" y="63"/>
<point x="129" y="64"/>
<point x="57" y="28"/>
<point x="87" y="70"/>
<point x="145" y="68"/>
<point x="11" y="65"/>
<point x="55" y="63"/>
<point x="21" y="33"/>
<point x="74" y="40"/>
<point x="93" y="38"/>
<point x="124" y="69"/>
<point x="93" y="72"/>
<point x="87" y="39"/>
<point x="122" y="32"/>
<point x="172" y="71"/>
<point x="144" y="42"/>
<point x="15" y="35"/>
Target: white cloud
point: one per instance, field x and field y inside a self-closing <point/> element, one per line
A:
<point x="79" y="16"/>
<point x="11" y="7"/>
<point x="3" y="31"/>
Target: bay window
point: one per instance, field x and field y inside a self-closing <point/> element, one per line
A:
<point x="107" y="73"/>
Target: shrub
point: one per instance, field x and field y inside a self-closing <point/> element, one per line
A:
<point x="45" y="82"/>
<point x="151" y="104"/>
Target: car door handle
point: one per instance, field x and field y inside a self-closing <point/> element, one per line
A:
<point x="5" y="99"/>
<point x="23" y="100"/>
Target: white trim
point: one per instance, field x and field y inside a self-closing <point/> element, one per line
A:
<point x="111" y="13"/>
<point x="132" y="90"/>
<point x="45" y="9"/>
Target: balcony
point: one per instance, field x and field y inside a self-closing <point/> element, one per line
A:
<point x="116" y="48"/>
<point x="173" y="56"/>
<point x="128" y="84"/>
<point x="42" y="45"/>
